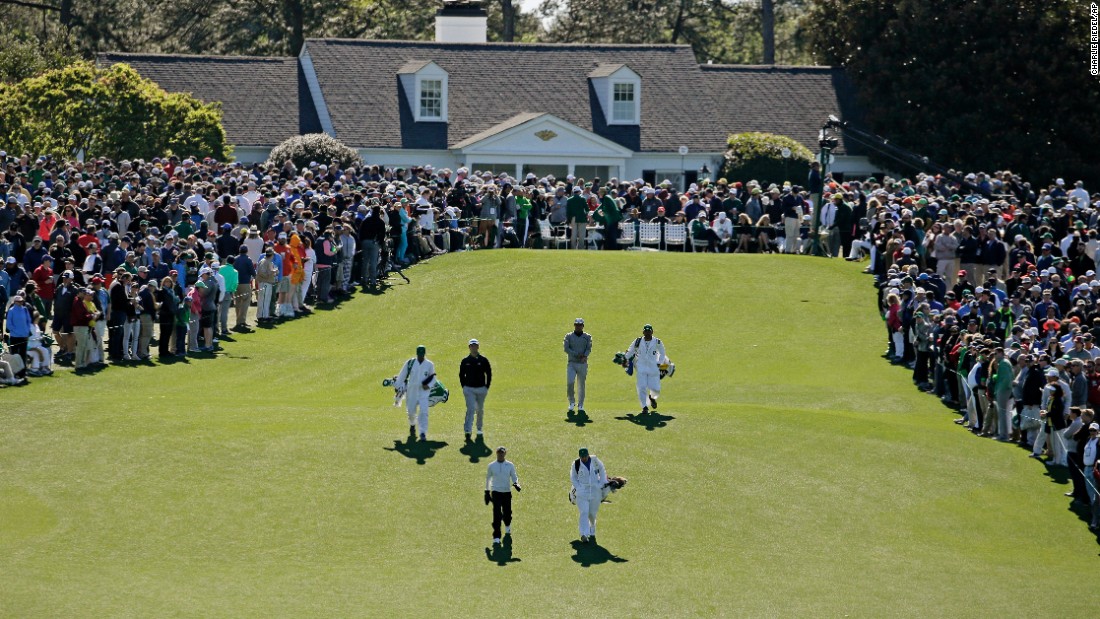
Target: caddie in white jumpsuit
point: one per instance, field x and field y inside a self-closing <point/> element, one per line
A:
<point x="417" y="378"/>
<point x="588" y="477"/>
<point x="647" y="353"/>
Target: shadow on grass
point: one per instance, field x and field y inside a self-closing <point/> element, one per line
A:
<point x="501" y="553"/>
<point x="89" y="370"/>
<point x="579" y="419"/>
<point x="649" y="421"/>
<point x="476" y="449"/>
<point x="591" y="553"/>
<point x="417" y="450"/>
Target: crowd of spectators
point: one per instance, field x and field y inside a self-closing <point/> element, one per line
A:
<point x="991" y="296"/>
<point x="102" y="259"/>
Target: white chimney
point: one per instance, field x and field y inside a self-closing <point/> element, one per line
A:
<point x="461" y="21"/>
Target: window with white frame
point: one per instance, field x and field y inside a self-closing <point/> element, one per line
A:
<point x="431" y="99"/>
<point x="624" y="102"/>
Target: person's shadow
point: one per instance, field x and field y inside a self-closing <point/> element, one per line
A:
<point x="591" y="553"/>
<point x="578" y="419"/>
<point x="650" y="421"/>
<point x="501" y="553"/>
<point x="476" y="449"/>
<point x="416" y="449"/>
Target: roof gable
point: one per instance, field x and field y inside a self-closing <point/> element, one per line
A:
<point x="548" y="78"/>
<point x="541" y="134"/>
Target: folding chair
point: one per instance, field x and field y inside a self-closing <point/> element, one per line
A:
<point x="649" y="233"/>
<point x="627" y="234"/>
<point x="676" y="234"/>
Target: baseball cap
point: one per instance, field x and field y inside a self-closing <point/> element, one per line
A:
<point x="1052" y="373"/>
<point x="1094" y="426"/>
<point x="583" y="452"/>
<point x="502" y="449"/>
<point x="648" y="327"/>
<point x="473" y="341"/>
<point x="579" y="321"/>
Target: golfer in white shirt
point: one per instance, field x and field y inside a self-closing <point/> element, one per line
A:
<point x="499" y="481"/>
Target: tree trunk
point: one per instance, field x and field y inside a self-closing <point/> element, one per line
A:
<point x="678" y="25"/>
<point x="767" y="29"/>
<point x="296" y="13"/>
<point x="508" y="12"/>
<point x="67" y="14"/>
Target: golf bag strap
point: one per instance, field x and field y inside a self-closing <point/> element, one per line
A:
<point x="408" y="372"/>
<point x="577" y="465"/>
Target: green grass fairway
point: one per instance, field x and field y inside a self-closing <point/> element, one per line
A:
<point x="798" y="474"/>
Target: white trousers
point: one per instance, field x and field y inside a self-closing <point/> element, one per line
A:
<point x="588" y="508"/>
<point x="263" y="307"/>
<point x="97" y="347"/>
<point x="1055" y="441"/>
<point x="417" y="398"/>
<point x="790" y="235"/>
<point x="648" y="383"/>
<point x="131" y="329"/>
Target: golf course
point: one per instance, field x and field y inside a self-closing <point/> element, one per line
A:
<point x="790" y="471"/>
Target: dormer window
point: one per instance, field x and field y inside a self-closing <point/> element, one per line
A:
<point x="624" y="108"/>
<point x="619" y="91"/>
<point x="431" y="99"/>
<point x="425" y="86"/>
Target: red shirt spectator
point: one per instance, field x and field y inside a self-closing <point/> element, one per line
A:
<point x="80" y="315"/>
<point x="87" y="238"/>
<point x="43" y="276"/>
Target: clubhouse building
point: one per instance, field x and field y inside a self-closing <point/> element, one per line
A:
<point x="626" y="111"/>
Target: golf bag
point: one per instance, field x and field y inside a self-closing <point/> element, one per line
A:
<point x="438" y="394"/>
<point x="667" y="369"/>
<point x="613" y="485"/>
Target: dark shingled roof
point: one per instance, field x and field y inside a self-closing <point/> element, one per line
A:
<point x="264" y="100"/>
<point x="790" y="101"/>
<point x="492" y="82"/>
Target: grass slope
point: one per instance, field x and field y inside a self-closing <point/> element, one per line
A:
<point x="799" y="475"/>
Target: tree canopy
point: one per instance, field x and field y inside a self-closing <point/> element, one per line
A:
<point x="981" y="85"/>
<point x="111" y="112"/>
